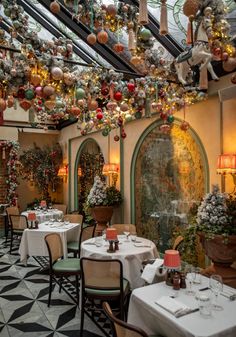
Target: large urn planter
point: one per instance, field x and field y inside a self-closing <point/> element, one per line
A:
<point x="221" y="251"/>
<point x="102" y="215"/>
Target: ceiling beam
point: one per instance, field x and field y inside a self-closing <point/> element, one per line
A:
<point x="48" y="25"/>
<point x="166" y="41"/>
<point x="82" y="31"/>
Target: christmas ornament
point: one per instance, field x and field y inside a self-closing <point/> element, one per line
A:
<point x="92" y="39"/>
<point x="57" y="73"/>
<point x="145" y="34"/>
<point x="119" y="47"/>
<point x="131" y="86"/>
<point x="35" y="79"/>
<point x="184" y="126"/>
<point x="29" y="94"/>
<point x="55" y="7"/>
<point x="233" y="78"/>
<point x="118" y="96"/>
<point x="48" y="91"/>
<point x="116" y="138"/>
<point x="25" y="104"/>
<point x="3" y="104"/>
<point x="102" y="37"/>
<point x="79" y="93"/>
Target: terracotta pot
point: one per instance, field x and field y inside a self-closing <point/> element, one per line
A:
<point x="221" y="253"/>
<point x="102" y="215"/>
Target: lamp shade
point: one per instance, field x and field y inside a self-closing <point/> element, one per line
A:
<point x="171" y="259"/>
<point x="63" y="171"/>
<point x="31" y="216"/>
<point x="226" y="164"/>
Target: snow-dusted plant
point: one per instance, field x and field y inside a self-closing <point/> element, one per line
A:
<point x="97" y="195"/>
<point x="212" y="215"/>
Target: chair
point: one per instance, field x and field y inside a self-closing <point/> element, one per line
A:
<point x="178" y="240"/>
<point x="87" y="232"/>
<point x="17" y="225"/>
<point x="121" y="228"/>
<point x="61" y="207"/>
<point x="74" y="218"/>
<point x="58" y="266"/>
<point x="10" y="210"/>
<point x="102" y="280"/>
<point x="121" y="328"/>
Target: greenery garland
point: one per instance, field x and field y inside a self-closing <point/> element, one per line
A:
<point x="12" y="183"/>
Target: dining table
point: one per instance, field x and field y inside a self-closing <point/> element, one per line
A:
<point x="130" y="253"/>
<point x="150" y="309"/>
<point x="33" y="243"/>
<point x="45" y="215"/>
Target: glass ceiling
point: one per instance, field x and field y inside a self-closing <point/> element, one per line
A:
<point x="41" y="9"/>
<point x="177" y="21"/>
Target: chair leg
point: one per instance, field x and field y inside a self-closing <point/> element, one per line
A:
<point x="82" y="318"/>
<point x="77" y="288"/>
<point x="60" y="284"/>
<point x="11" y="244"/>
<point x="50" y="290"/>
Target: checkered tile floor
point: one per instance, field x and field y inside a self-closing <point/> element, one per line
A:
<point x="23" y="302"/>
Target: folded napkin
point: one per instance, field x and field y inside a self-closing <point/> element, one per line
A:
<point x="141" y="244"/>
<point x="150" y="270"/>
<point x="229" y="294"/>
<point x="173" y="306"/>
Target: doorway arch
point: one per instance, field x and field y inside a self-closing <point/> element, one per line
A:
<point x="169" y="174"/>
<point x="88" y="163"/>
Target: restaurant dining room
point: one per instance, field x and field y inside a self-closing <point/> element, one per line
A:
<point x="117" y="168"/>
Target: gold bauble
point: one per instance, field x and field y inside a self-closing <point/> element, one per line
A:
<point x="229" y="64"/>
<point x="102" y="37"/>
<point x="91" y="38"/>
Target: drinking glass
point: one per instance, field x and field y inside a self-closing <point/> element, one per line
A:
<point x="216" y="286"/>
<point x="198" y="276"/>
<point x="190" y="276"/>
<point x="126" y="232"/>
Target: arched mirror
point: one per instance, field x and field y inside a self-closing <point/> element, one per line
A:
<point x="169" y="175"/>
<point x="89" y="164"/>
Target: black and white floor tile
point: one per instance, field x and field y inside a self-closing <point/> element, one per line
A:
<point x="23" y="302"/>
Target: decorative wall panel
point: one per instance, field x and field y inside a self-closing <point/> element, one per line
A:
<point x="170" y="176"/>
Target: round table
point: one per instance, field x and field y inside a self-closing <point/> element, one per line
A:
<point x="131" y="254"/>
<point x="49" y="214"/>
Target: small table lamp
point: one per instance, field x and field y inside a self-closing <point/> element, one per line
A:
<point x="171" y="263"/>
<point x="32" y="219"/>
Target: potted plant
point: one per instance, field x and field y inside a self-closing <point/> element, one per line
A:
<point x="101" y="200"/>
<point x="216" y="228"/>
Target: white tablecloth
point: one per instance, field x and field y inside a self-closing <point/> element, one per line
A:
<point x="146" y="314"/>
<point x="42" y="216"/>
<point x="33" y="244"/>
<point x="130" y="256"/>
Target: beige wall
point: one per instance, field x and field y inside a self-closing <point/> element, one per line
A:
<point x="204" y="119"/>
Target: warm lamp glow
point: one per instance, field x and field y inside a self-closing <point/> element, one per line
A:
<point x="111" y="170"/>
<point x="63" y="171"/>
<point x="226" y="164"/>
<point x="171" y="259"/>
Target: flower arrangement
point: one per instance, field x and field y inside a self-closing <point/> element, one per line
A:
<point x="215" y="214"/>
<point x="12" y="162"/>
<point x="102" y="195"/>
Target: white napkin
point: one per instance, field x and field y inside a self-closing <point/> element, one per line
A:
<point x="172" y="305"/>
<point x="229" y="294"/>
<point x="141" y="244"/>
<point x="150" y="270"/>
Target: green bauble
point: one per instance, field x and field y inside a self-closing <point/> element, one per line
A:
<point x="138" y="115"/>
<point x="29" y="94"/>
<point x="105" y="132"/>
<point x="145" y="34"/>
<point x="60" y="103"/>
<point x="170" y="119"/>
<point x="79" y="93"/>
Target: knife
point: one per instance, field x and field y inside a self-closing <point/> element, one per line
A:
<point x="183" y="313"/>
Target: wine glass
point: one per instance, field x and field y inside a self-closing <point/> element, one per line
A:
<point x="190" y="276"/>
<point x="216" y="286"/>
<point x="126" y="232"/>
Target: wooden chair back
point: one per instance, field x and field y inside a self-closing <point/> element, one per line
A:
<point x="18" y="222"/>
<point x="74" y="218"/>
<point x="54" y="245"/>
<point x="60" y="207"/>
<point x="125" y="227"/>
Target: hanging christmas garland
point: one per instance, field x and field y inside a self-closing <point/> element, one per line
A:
<point x="12" y="183"/>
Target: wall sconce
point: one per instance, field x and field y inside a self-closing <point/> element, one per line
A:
<point x="227" y="165"/>
<point x="111" y="170"/>
<point x="79" y="171"/>
<point x="63" y="172"/>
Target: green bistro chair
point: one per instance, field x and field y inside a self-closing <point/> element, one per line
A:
<point x="102" y="280"/>
<point x="18" y="223"/>
<point x="87" y="232"/>
<point x="58" y="266"/>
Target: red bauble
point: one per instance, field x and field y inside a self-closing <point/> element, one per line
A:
<point x="99" y="116"/>
<point x="118" y="96"/>
<point x="102" y="37"/>
<point x="92" y="39"/>
<point x="131" y="87"/>
<point x="123" y="134"/>
<point x="163" y="116"/>
<point x="21" y="93"/>
<point x="75" y="111"/>
<point x="98" y="110"/>
<point x="119" y="47"/>
<point x="105" y="91"/>
<point x="25" y="104"/>
<point x="116" y="138"/>
<point x="55" y="7"/>
<point x="184" y="126"/>
<point x="120" y="121"/>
